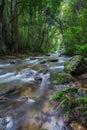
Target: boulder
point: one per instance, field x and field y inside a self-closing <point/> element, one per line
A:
<point x="59" y="78"/>
<point x="76" y="65"/>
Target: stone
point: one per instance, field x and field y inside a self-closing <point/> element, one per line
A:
<point x="43" y="62"/>
<point x="12" y="62"/>
<point x="38" y="79"/>
<point x="76" y="65"/>
<point x="32" y="58"/>
<point x="59" y="78"/>
<point x="53" y="59"/>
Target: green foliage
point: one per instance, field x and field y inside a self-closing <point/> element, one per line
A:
<point x="41" y="26"/>
<point x="73" y="16"/>
<point x="58" y="94"/>
<point x="76" y="100"/>
<point x="30" y="26"/>
<point x="81" y="49"/>
<point x="71" y="37"/>
<point x="59" y="78"/>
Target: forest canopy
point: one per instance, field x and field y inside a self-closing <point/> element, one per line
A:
<point x="41" y="26"/>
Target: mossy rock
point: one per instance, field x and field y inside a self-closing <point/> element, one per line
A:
<point x="76" y="65"/>
<point x="53" y="59"/>
<point x="59" y="78"/>
<point x="42" y="61"/>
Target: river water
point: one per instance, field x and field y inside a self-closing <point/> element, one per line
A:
<point x="25" y="93"/>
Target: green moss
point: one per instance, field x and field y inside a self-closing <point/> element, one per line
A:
<point x="58" y="78"/>
<point x="53" y="59"/>
<point x="72" y="63"/>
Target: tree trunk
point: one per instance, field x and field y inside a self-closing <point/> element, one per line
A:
<point x="14" y="26"/>
<point x="2" y="4"/>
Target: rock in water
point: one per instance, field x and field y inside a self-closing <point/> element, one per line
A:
<point x="12" y="62"/>
<point x="59" y="78"/>
<point x="53" y="59"/>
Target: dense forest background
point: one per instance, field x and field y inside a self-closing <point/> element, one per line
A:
<point x="41" y="26"/>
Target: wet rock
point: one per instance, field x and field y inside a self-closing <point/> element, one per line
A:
<point x="38" y="79"/>
<point x="76" y="65"/>
<point x="44" y="71"/>
<point x="13" y="62"/>
<point x="13" y="89"/>
<point x="53" y="59"/>
<point x="48" y="54"/>
<point x="58" y="78"/>
<point x="32" y="58"/>
<point x="43" y="62"/>
<point x="60" y="54"/>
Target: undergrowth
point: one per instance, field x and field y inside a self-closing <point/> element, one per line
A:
<point x="73" y="102"/>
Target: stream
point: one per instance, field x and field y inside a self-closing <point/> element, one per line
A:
<point x="25" y="93"/>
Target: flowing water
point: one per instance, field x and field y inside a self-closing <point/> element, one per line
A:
<point x="25" y="93"/>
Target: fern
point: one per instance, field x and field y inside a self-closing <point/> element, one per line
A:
<point x="72" y="103"/>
